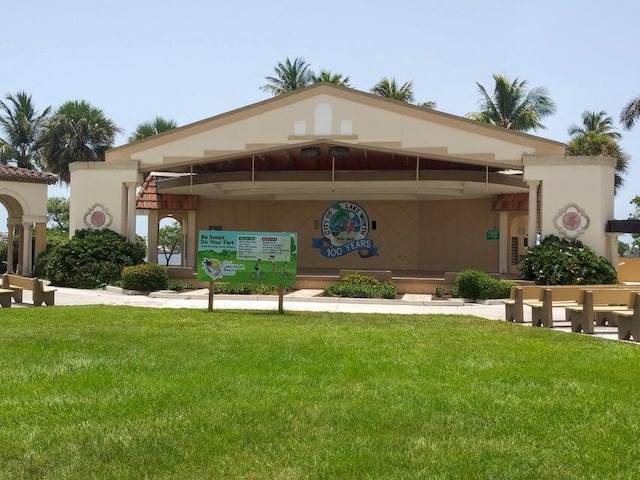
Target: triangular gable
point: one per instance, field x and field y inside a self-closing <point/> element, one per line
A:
<point x="329" y="113"/>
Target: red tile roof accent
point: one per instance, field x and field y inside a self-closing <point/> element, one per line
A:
<point x="512" y="202"/>
<point x="17" y="174"/>
<point x="150" y="199"/>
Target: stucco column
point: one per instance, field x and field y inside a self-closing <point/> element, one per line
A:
<point x="131" y="212"/>
<point x="27" y="251"/>
<point x="533" y="212"/>
<point x="190" y="240"/>
<point x="152" y="236"/>
<point x="20" y="231"/>
<point x="41" y="238"/>
<point x="503" y="247"/>
<point x="11" y="226"/>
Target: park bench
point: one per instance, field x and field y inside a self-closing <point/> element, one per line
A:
<point x="628" y="320"/>
<point x="514" y="305"/>
<point x="597" y="307"/>
<point x="16" y="284"/>
<point x="550" y="297"/>
<point x="5" y="297"/>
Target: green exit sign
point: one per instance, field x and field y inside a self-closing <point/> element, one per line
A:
<point x="493" y="234"/>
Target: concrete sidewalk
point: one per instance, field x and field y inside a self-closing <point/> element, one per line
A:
<point x="303" y="300"/>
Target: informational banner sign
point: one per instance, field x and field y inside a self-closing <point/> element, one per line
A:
<point x="345" y="229"/>
<point x="247" y="257"/>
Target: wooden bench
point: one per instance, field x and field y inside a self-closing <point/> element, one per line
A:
<point x="597" y="307"/>
<point x="629" y="319"/>
<point x="514" y="305"/>
<point x="16" y="284"/>
<point x="5" y="297"/>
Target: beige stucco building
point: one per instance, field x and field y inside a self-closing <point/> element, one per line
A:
<point x="23" y="193"/>
<point x="428" y="191"/>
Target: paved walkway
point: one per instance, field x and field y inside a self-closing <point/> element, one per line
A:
<point x="303" y="300"/>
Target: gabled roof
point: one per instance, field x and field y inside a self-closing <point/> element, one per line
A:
<point x="169" y="145"/>
<point x="16" y="174"/>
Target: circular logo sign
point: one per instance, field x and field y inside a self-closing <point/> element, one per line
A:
<point x="344" y="222"/>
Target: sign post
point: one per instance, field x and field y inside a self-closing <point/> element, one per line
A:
<point x="267" y="258"/>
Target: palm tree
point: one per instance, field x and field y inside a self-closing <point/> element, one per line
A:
<point x="389" y="88"/>
<point x="597" y="122"/>
<point x="513" y="106"/>
<point x="289" y="76"/>
<point x="77" y="132"/>
<point x="630" y="113"/>
<point x="593" y="143"/>
<point x="20" y="125"/>
<point x="329" y="77"/>
<point x="154" y="127"/>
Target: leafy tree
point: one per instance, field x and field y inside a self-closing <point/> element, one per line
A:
<point x="512" y="105"/>
<point x="289" y="76"/>
<point x="154" y="127"/>
<point x="596" y="144"/>
<point x="20" y="125"/>
<point x="635" y="216"/>
<point x="630" y="113"/>
<point x="597" y="122"/>
<point x="170" y="240"/>
<point x="329" y="77"/>
<point x="389" y="88"/>
<point x="77" y="132"/>
<point x="58" y="213"/>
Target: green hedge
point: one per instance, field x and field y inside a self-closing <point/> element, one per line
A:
<point x="146" y="277"/>
<point x="481" y="286"/>
<point x="558" y="261"/>
<point x="356" y="285"/>
<point x="91" y="259"/>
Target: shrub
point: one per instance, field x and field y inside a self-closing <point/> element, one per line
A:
<point x="179" y="285"/>
<point x="558" y="261"/>
<point x="91" y="259"/>
<point x="356" y="285"/>
<point x="480" y="285"/>
<point x="4" y="251"/>
<point x="146" y="277"/>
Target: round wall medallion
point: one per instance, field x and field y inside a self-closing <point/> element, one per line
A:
<point x="571" y="221"/>
<point x="97" y="217"/>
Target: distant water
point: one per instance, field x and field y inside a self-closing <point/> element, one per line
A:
<point x="173" y="260"/>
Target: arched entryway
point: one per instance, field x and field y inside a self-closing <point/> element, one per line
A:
<point x="24" y="194"/>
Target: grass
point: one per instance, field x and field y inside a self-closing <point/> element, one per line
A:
<point x="118" y="393"/>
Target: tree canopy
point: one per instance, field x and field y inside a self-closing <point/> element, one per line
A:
<point x="630" y="113"/>
<point x="20" y="126"/>
<point x="512" y="105"/>
<point x="289" y="76"/>
<point x="154" y="127"/>
<point x="77" y="132"/>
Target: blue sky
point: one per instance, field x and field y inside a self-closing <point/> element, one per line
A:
<point x="193" y="59"/>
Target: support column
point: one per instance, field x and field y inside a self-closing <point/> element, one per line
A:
<point x="11" y="226"/>
<point x="27" y="251"/>
<point x="503" y="248"/>
<point x="131" y="212"/>
<point x="41" y="238"/>
<point x="152" y="236"/>
<point x="533" y="212"/>
<point x="20" y="230"/>
<point x="191" y="239"/>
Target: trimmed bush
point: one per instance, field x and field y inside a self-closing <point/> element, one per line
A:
<point x="91" y="259"/>
<point x="146" y="277"/>
<point x="356" y="285"/>
<point x="245" y="289"/>
<point x="558" y="261"/>
<point x="481" y="286"/>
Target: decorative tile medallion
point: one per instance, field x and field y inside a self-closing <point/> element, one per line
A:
<point x="571" y="221"/>
<point x="98" y="217"/>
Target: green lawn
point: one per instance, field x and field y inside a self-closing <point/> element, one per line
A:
<point x="131" y="393"/>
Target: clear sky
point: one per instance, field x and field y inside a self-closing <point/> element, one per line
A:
<point x="194" y="59"/>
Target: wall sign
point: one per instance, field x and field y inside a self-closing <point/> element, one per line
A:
<point x="247" y="257"/>
<point x="345" y="229"/>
